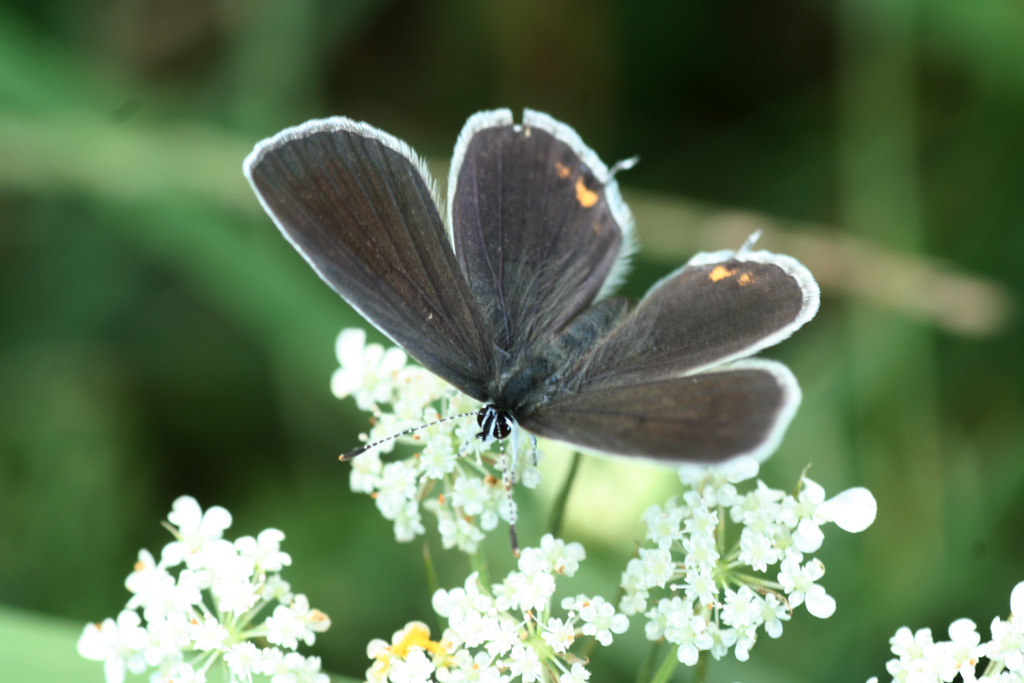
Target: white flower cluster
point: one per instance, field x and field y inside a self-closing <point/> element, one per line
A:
<point x="706" y="587"/>
<point x="503" y="633"/>
<point x="454" y="475"/>
<point x="922" y="660"/>
<point x="177" y="627"/>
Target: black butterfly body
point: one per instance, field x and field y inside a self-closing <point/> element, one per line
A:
<point x="505" y="294"/>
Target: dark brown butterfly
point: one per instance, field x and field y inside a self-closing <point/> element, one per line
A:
<point x="504" y="290"/>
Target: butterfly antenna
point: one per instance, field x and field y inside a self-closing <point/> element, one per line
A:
<point x="749" y="244"/>
<point x="345" y="457"/>
<point x="623" y="165"/>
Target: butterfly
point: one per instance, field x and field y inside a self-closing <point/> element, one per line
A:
<point x="504" y="290"/>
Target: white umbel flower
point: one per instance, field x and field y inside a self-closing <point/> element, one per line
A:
<point x="920" y="658"/>
<point x="118" y="644"/>
<point x="506" y="631"/>
<point x="559" y="634"/>
<point x="736" y="590"/>
<point x="209" y="609"/>
<point x="368" y="372"/>
<point x="265" y="550"/>
<point x="601" y="620"/>
<point x="193" y="529"/>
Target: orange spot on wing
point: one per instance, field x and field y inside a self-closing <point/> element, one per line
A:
<point x="587" y="198"/>
<point x="562" y="170"/>
<point x="745" y="279"/>
<point x="720" y="273"/>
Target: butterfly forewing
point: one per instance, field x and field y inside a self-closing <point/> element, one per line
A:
<point x="357" y="204"/>
<point x="742" y="408"/>
<point x="538" y="225"/>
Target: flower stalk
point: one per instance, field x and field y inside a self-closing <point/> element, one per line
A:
<point x="562" y="499"/>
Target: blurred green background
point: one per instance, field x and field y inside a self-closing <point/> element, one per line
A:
<point x="158" y="337"/>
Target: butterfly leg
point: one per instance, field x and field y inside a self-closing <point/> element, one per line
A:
<point x="507" y="481"/>
<point x="515" y="448"/>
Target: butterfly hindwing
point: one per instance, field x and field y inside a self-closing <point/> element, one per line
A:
<point x="665" y="382"/>
<point x="357" y="204"/>
<point x="740" y="408"/>
<point x="538" y="225"/>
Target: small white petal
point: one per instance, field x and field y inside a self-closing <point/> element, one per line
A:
<point x="819" y="603"/>
<point x="394" y="359"/>
<point x="215" y="521"/>
<point x="376" y="647"/>
<point x="740" y="469"/>
<point x="114" y="670"/>
<point x="578" y="674"/>
<point x="98" y="641"/>
<point x="812" y="491"/>
<point x="244" y="659"/>
<point x="964" y="630"/>
<point x="185" y="512"/>
<point x="1017" y="601"/>
<point x="688" y="654"/>
<point x="852" y="510"/>
<point x="350" y="344"/>
<point x="808" y="536"/>
<point x="734" y="471"/>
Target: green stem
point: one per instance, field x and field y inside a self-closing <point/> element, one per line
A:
<point x="647" y="667"/>
<point x="433" y="582"/>
<point x="479" y="564"/>
<point x="558" y="510"/>
<point x="700" y="671"/>
<point x="668" y="666"/>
